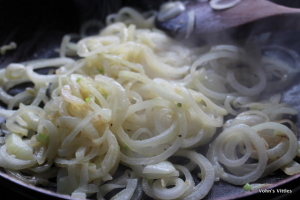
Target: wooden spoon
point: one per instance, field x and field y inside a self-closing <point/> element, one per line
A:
<point x="247" y="18"/>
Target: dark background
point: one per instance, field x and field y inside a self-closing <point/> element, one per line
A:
<point x="40" y="24"/>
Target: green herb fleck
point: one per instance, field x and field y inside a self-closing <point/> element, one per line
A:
<point x="78" y="79"/>
<point x="42" y="138"/>
<point x="101" y="71"/>
<point x="87" y="99"/>
<point x="91" y="164"/>
<point x="247" y="187"/>
<point x="179" y="105"/>
<point x="104" y="93"/>
<point x="126" y="147"/>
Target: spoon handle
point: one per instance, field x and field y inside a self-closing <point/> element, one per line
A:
<point x="249" y="17"/>
<point x="252" y="10"/>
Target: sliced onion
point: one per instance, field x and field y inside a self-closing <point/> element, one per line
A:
<point x="170" y="10"/>
<point x="218" y="5"/>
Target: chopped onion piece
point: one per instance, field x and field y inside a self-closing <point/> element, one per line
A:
<point x="16" y="146"/>
<point x="160" y="169"/>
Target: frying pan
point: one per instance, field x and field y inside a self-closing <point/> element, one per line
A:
<point x="38" y="26"/>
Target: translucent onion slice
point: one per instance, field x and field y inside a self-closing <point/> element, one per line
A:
<point x="13" y="163"/>
<point x="127" y="193"/>
<point x="164" y="167"/>
<point x="170" y="10"/>
<point x="207" y="171"/>
<point x="291" y="168"/>
<point x="219" y="5"/>
<point x="248" y="135"/>
<point x="174" y="192"/>
<point x="290" y="153"/>
<point x="16" y="146"/>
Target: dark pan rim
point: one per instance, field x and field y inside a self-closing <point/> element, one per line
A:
<point x="35" y="192"/>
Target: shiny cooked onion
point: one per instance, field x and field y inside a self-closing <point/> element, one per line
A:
<point x="135" y="98"/>
<point x="223" y="4"/>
